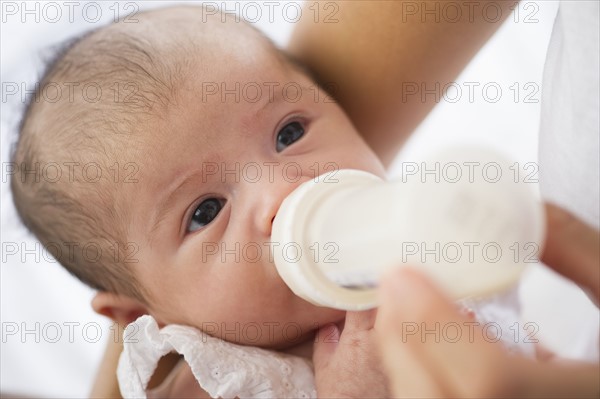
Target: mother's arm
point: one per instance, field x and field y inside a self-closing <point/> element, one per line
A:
<point x="376" y="53"/>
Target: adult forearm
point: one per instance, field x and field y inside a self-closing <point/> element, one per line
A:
<point x="377" y="53"/>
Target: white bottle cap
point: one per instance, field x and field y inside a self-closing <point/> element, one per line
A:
<point x="302" y="275"/>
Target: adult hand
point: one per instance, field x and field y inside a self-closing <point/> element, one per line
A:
<point x="464" y="364"/>
<point x="347" y="363"/>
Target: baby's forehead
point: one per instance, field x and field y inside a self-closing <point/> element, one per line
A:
<point x="167" y="53"/>
<point x="200" y="49"/>
<point x="217" y="63"/>
<point x="192" y="31"/>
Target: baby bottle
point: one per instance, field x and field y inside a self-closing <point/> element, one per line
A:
<point x="469" y="218"/>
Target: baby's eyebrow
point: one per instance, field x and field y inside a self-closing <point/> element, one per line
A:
<point x="278" y="97"/>
<point x="271" y="101"/>
<point x="165" y="205"/>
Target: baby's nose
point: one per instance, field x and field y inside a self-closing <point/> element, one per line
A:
<point x="268" y="199"/>
<point x="269" y="211"/>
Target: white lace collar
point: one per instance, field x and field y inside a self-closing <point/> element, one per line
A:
<point x="221" y="368"/>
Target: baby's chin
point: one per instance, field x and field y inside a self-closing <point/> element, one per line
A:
<point x="288" y="338"/>
<point x="322" y="317"/>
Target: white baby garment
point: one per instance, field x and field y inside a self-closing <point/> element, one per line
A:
<point x="221" y="368"/>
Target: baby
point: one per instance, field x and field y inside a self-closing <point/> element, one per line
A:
<point x="183" y="134"/>
<point x="160" y="176"/>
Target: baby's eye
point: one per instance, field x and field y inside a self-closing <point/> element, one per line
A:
<point x="289" y="135"/>
<point x="205" y="213"/>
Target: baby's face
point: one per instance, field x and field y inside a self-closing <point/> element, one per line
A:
<point x="212" y="176"/>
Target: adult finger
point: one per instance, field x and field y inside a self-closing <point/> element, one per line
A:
<point x="408" y="375"/>
<point x="572" y="248"/>
<point x="451" y="346"/>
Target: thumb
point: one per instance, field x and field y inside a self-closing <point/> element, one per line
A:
<point x="326" y="342"/>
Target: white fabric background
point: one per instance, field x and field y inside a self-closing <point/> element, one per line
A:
<point x="37" y="291"/>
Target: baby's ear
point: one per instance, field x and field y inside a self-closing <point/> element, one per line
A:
<point x="118" y="307"/>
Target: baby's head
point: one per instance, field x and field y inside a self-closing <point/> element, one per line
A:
<point x="179" y="139"/>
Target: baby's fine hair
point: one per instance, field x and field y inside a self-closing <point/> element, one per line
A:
<point x="83" y="223"/>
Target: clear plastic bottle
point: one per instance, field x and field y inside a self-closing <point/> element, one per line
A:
<point x="468" y="218"/>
